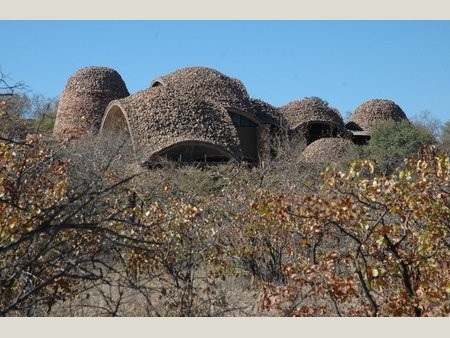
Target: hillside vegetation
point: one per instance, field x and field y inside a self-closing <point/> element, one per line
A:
<point x="85" y="232"/>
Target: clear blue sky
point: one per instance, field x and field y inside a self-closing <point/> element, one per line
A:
<point x="343" y="62"/>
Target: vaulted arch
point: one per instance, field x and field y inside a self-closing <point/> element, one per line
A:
<point x="192" y="151"/>
<point x="115" y="123"/>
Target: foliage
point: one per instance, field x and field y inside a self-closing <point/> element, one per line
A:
<point x="83" y="233"/>
<point x="52" y="242"/>
<point x="6" y="87"/>
<point x="379" y="244"/>
<point x="445" y="137"/>
<point x="67" y="231"/>
<point x="427" y="121"/>
<point x="43" y="113"/>
<point x="318" y="100"/>
<point x="22" y="113"/>
<point x="31" y="190"/>
<point x="391" y="142"/>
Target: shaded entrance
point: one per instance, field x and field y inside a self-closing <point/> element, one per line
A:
<point x="188" y="152"/>
<point x="248" y="136"/>
<point x="317" y="130"/>
<point x="115" y="131"/>
<point x="115" y="122"/>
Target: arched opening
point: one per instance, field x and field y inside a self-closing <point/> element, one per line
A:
<point x="247" y="130"/>
<point x="115" y="122"/>
<point x="157" y="83"/>
<point x="317" y="130"/>
<point x="193" y="152"/>
<point x="116" y="130"/>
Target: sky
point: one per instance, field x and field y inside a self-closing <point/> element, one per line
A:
<point x="343" y="62"/>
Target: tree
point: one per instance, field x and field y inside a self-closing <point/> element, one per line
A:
<point x="84" y="232"/>
<point x="6" y="88"/>
<point x="74" y="230"/>
<point x="427" y="121"/>
<point x="378" y="245"/>
<point x="391" y="142"/>
<point x="22" y="113"/>
<point x="42" y="111"/>
<point x="445" y="137"/>
<point x="52" y="243"/>
<point x="319" y="100"/>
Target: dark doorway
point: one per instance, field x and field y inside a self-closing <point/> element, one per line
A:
<point x="248" y="136"/>
<point x="188" y="152"/>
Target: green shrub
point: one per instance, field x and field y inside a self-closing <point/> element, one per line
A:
<point x="391" y="142"/>
<point x="445" y="137"/>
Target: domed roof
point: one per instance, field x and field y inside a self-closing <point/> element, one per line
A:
<point x="373" y="111"/>
<point x="84" y="99"/>
<point x="160" y="118"/>
<point x="265" y="112"/>
<point x="206" y="84"/>
<point x="308" y="110"/>
<point x="94" y="78"/>
<point x="325" y="150"/>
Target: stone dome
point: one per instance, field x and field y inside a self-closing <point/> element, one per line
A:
<point x="309" y="110"/>
<point x="159" y="119"/>
<point x="325" y="150"/>
<point x="86" y="95"/>
<point x="373" y="111"/>
<point x="204" y="83"/>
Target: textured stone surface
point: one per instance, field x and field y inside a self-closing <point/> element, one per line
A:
<point x="266" y="113"/>
<point x="84" y="99"/>
<point x="306" y="110"/>
<point x="370" y="112"/>
<point x="159" y="117"/>
<point x="207" y="84"/>
<point x="192" y="105"/>
<point x="325" y="150"/>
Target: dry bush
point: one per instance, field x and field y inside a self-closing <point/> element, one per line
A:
<point x="88" y="234"/>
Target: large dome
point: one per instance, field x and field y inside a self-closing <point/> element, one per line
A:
<point x="373" y="111"/>
<point x="84" y="99"/>
<point x="160" y="119"/>
<point x="203" y="83"/>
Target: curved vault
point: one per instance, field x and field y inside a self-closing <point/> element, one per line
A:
<point x="115" y="122"/>
<point x="192" y="151"/>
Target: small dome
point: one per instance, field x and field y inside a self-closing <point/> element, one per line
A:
<point x="370" y="112"/>
<point x="206" y="84"/>
<point x="84" y="99"/>
<point x="325" y="150"/>
<point x="308" y="110"/>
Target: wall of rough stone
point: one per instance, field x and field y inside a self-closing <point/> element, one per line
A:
<point x="84" y="99"/>
<point x="202" y="83"/>
<point x="192" y="105"/>
<point x="159" y="117"/>
<point x="305" y="110"/>
<point x="366" y="115"/>
<point x="326" y="150"/>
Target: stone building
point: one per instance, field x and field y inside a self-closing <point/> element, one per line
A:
<point x="199" y="114"/>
